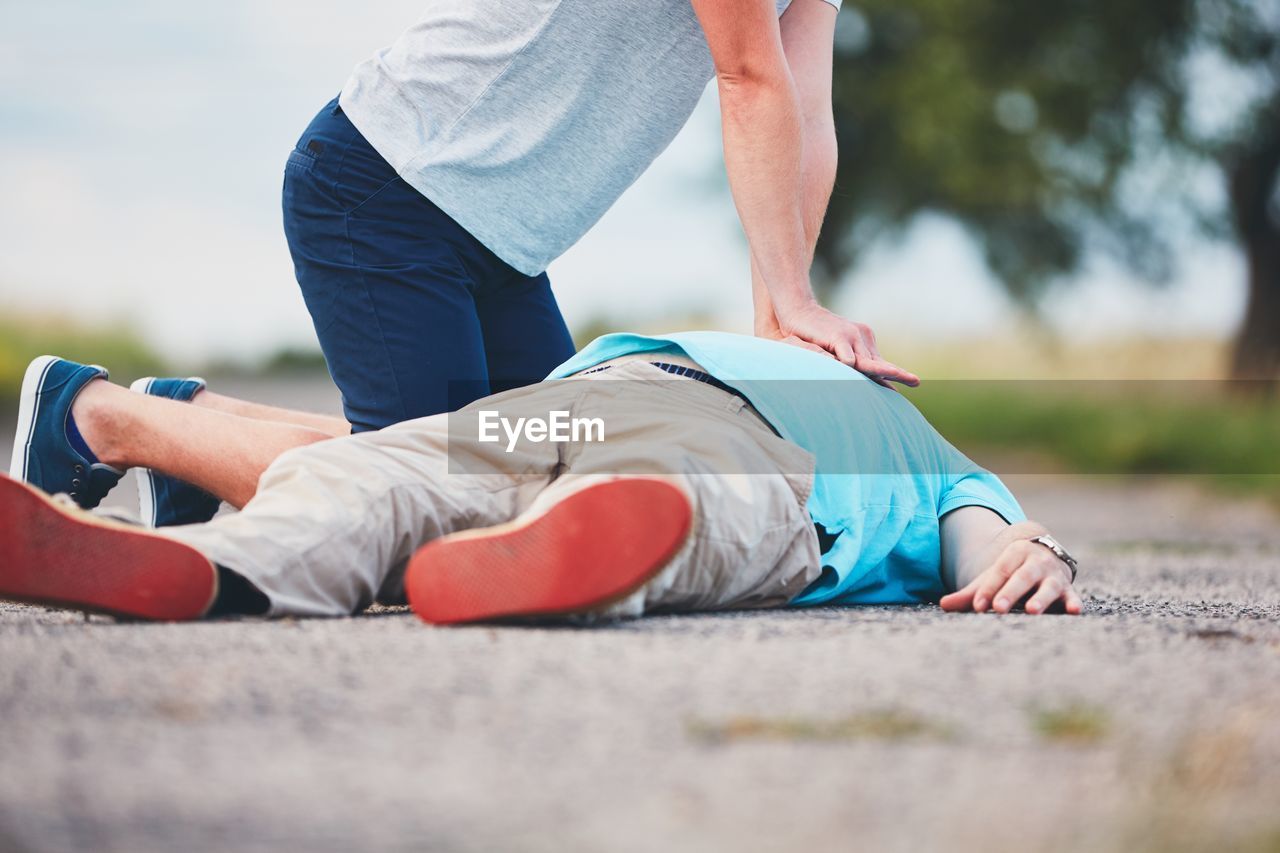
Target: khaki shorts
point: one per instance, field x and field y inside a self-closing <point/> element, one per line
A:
<point x="333" y="524"/>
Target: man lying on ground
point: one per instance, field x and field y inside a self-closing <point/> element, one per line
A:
<point x="698" y="471"/>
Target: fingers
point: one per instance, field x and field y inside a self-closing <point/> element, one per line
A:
<point x="1010" y="586"/>
<point x="847" y="343"/>
<point x="870" y="362"/>
<point x="1029" y="576"/>
<point x="962" y="598"/>
<point x="1051" y="590"/>
<point x="863" y="340"/>
<point x="990" y="581"/>
<point x="846" y="353"/>
<point x="958" y="601"/>
<point x="853" y="344"/>
<point x="1071" y="599"/>
<point x="1021" y="570"/>
<point x="878" y="368"/>
<point x="803" y="344"/>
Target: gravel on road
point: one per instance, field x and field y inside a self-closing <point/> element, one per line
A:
<point x="1150" y="723"/>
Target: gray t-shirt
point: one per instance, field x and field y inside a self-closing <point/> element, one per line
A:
<point x="524" y="120"/>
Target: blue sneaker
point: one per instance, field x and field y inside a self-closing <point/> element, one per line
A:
<point x="164" y="501"/>
<point x="48" y="451"/>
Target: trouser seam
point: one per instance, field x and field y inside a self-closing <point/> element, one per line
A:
<point x="377" y="319"/>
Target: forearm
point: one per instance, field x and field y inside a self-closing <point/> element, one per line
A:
<point x="817" y="178"/>
<point x="764" y="148"/>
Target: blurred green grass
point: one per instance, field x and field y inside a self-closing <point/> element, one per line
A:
<point x="885" y="724"/>
<point x="24" y="337"/>
<point x="1224" y="434"/>
<point x="1077" y="724"/>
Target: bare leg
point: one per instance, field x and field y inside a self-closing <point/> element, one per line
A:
<point x="321" y="423"/>
<point x="222" y="453"/>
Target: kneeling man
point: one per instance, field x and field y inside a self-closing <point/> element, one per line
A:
<point x="696" y="471"/>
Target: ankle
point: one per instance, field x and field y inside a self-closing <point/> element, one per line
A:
<point x="99" y="416"/>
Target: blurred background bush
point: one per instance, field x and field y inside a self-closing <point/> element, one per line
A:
<point x="23" y="337"/>
<point x="1054" y="132"/>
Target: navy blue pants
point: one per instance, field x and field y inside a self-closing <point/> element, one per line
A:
<point x="414" y="315"/>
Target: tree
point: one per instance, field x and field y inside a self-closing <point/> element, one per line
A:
<point x="1053" y="130"/>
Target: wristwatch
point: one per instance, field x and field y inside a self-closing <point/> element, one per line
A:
<point x="1058" y="551"/>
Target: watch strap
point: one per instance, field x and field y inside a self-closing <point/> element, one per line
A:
<point x="1058" y="551"/>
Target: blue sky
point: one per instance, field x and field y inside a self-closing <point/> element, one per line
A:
<point x="141" y="151"/>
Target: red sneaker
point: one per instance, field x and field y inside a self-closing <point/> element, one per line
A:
<point x="61" y="557"/>
<point x="594" y="547"/>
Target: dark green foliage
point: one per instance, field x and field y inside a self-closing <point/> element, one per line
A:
<point x="1052" y="129"/>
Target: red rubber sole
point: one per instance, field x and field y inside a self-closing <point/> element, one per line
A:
<point x="594" y="547"/>
<point x="57" y="558"/>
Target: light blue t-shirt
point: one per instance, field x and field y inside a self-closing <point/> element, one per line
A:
<point x="884" y="475"/>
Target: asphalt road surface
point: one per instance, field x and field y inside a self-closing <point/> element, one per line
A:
<point x="1150" y="723"/>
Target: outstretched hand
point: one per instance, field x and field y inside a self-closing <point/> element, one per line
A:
<point x="815" y="328"/>
<point x="1025" y="573"/>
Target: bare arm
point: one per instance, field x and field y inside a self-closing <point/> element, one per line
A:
<point x="779" y="149"/>
<point x="991" y="565"/>
<point x="763" y="129"/>
<point x="808" y="28"/>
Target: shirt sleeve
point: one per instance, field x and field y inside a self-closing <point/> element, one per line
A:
<point x="835" y="3"/>
<point x="980" y="487"/>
